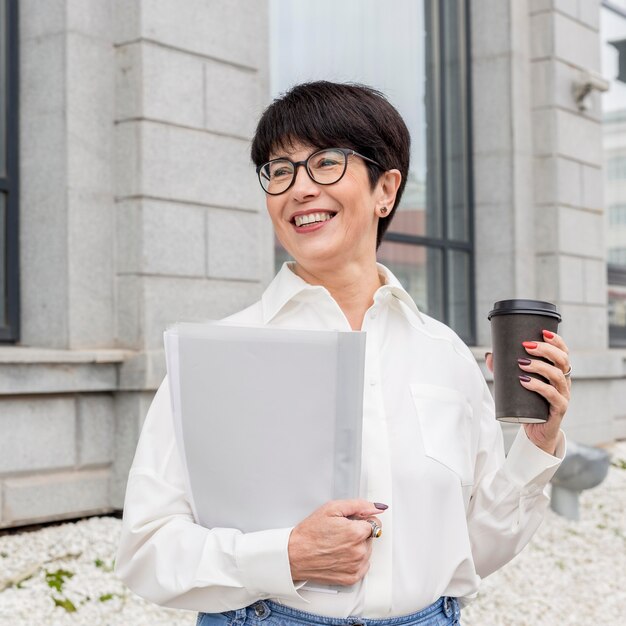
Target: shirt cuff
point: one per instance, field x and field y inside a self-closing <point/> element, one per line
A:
<point x="263" y="560"/>
<point x="527" y="465"/>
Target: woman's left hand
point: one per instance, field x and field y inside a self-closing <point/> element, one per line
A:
<point x="556" y="391"/>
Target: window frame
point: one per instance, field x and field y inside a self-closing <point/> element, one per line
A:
<point x="616" y="274"/>
<point x="9" y="184"/>
<point x="436" y="13"/>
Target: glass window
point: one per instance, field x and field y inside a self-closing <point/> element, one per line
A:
<point x="9" y="297"/>
<point x="613" y="36"/>
<point x="422" y="70"/>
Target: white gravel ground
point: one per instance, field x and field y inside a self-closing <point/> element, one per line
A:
<point x="571" y="574"/>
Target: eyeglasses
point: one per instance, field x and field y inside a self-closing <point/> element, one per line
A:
<point x="325" y="167"/>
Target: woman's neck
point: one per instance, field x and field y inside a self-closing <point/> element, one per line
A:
<point x="352" y="287"/>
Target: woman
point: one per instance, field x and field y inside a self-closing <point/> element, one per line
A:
<point x="333" y="160"/>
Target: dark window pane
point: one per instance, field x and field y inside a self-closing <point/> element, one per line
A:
<point x="3" y="269"/>
<point x="419" y="270"/>
<point x="3" y="86"/>
<point x="459" y="293"/>
<point x="457" y="214"/>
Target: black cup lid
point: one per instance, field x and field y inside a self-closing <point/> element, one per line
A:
<point x="527" y="307"/>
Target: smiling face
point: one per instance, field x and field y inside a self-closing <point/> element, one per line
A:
<point x="326" y="226"/>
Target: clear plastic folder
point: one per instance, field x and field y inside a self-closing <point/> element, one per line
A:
<point x="268" y="420"/>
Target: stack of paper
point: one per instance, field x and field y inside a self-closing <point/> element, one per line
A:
<point x="268" y="420"/>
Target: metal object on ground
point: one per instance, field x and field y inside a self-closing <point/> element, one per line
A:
<point x="582" y="468"/>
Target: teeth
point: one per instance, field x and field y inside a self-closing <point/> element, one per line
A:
<point x="301" y="220"/>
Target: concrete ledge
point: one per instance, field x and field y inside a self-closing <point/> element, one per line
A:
<point x="56" y="496"/>
<point x="23" y="354"/>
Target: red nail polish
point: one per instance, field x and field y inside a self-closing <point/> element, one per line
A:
<point x="547" y="334"/>
<point x="525" y="379"/>
<point x="531" y="345"/>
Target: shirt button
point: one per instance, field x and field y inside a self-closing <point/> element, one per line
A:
<point x="372" y="381"/>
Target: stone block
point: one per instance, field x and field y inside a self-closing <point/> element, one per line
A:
<point x="595" y="281"/>
<point x="589" y="13"/>
<point x="493" y="178"/>
<point x="558" y="180"/>
<point x="581" y="232"/>
<point x="126" y="20"/>
<point x="89" y="87"/>
<point x="214" y="29"/>
<point x="576" y="43"/>
<point x="547" y="229"/>
<point x="584" y="326"/>
<point x="170" y="300"/>
<point x="128" y="81"/>
<point x="90" y="240"/>
<point x="144" y="370"/>
<point x="130" y="412"/>
<point x="560" y="278"/>
<point x="42" y="68"/>
<point x="37" y="20"/>
<point x="161" y="238"/>
<point x="129" y="320"/>
<point x="128" y="159"/>
<point x="592" y="188"/>
<point x="223" y="113"/>
<point x="94" y="19"/>
<point x="490" y="24"/>
<point x="186" y="165"/>
<point x="544" y="132"/>
<point x="25" y="378"/>
<point x="173" y="86"/>
<point x="492" y="105"/>
<point x="233" y="243"/>
<point x="553" y="82"/>
<point x="579" y="138"/>
<point x="96" y="429"/>
<point x="38" y="434"/>
<point x="542" y="42"/>
<point x="55" y="496"/>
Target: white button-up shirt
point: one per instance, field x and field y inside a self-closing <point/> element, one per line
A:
<point x="432" y="450"/>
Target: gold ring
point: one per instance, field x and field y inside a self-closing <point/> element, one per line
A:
<point x="377" y="531"/>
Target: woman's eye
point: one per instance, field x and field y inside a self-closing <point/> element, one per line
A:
<point x="326" y="162"/>
<point x="281" y="172"/>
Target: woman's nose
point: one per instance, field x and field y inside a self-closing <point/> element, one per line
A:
<point x="304" y="186"/>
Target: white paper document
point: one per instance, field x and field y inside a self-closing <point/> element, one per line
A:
<point x="268" y="420"/>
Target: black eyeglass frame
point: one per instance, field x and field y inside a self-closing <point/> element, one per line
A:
<point x="296" y="164"/>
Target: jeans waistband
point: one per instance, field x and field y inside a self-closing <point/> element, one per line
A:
<point x="261" y="610"/>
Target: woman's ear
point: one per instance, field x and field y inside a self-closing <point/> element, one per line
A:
<point x="387" y="188"/>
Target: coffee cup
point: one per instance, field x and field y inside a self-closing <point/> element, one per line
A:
<point x="512" y="322"/>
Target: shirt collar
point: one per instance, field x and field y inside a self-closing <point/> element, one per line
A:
<point x="287" y="286"/>
<point x="393" y="286"/>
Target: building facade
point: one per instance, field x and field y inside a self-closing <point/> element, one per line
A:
<point x="129" y="201"/>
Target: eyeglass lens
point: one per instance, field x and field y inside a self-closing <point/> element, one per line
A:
<point x="325" y="167"/>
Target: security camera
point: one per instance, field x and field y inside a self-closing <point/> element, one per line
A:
<point x="582" y="88"/>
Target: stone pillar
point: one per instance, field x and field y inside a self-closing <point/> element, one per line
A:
<point x="193" y="241"/>
<point x="66" y="199"/>
<point x="569" y="214"/>
<point x="502" y="156"/>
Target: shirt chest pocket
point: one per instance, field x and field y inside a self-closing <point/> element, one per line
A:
<point x="445" y="421"/>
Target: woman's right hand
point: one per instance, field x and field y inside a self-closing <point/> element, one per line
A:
<point x="333" y="545"/>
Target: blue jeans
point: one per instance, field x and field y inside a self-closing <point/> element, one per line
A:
<point x="444" y="612"/>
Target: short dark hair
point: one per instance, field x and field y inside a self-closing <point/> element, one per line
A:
<point x="323" y="114"/>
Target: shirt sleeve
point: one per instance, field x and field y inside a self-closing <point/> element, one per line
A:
<point x="509" y="497"/>
<point x="167" y="558"/>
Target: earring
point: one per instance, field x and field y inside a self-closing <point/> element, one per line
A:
<point x="383" y="210"/>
